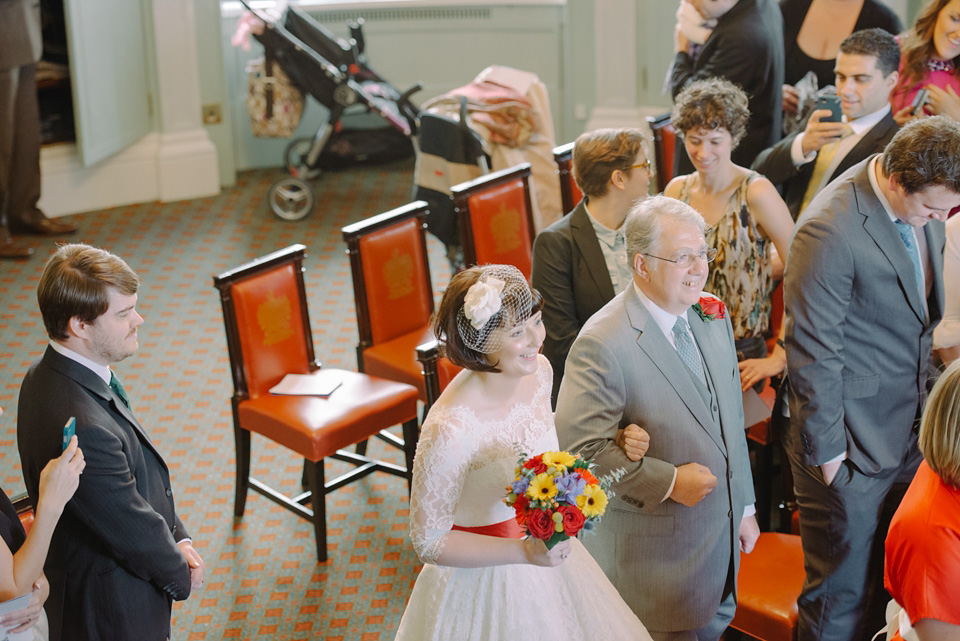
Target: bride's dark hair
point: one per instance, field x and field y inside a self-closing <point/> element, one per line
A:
<point x="445" y="321"/>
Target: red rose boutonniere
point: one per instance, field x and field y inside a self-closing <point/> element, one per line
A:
<point x="710" y="308"/>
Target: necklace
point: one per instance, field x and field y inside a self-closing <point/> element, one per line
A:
<point x="940" y="65"/>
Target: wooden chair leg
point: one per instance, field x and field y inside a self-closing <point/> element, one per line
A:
<point x="763" y="482"/>
<point x="318" y="502"/>
<point x="242" y="443"/>
<point x="362" y="448"/>
<point x="411" y="433"/>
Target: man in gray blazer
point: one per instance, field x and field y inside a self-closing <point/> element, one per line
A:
<point x="802" y="164"/>
<point x="671" y="538"/>
<point x="21" y="45"/>
<point x="580" y="261"/>
<point x="863" y="292"/>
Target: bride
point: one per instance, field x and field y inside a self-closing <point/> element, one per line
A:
<point x="482" y="579"/>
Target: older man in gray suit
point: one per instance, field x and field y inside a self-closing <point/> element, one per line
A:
<point x="661" y="355"/>
<point x="21" y="46"/>
<point x="863" y="293"/>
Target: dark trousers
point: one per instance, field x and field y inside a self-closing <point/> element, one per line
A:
<point x="19" y="145"/>
<point x="842" y="528"/>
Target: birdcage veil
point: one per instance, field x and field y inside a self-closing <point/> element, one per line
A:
<point x="500" y="298"/>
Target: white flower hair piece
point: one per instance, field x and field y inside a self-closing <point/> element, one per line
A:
<point x="483" y="301"/>
<point x="500" y="297"/>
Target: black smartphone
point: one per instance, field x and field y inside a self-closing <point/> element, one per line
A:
<point x="68" y="431"/>
<point x="920" y="99"/>
<point x="832" y="104"/>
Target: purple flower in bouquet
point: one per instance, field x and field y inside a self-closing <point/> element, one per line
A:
<point x="520" y="486"/>
<point x="569" y="487"/>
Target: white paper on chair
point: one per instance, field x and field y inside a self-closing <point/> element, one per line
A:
<point x="13" y="605"/>
<point x="320" y="383"/>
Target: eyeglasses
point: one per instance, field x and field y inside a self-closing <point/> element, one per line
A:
<point x="643" y="165"/>
<point x="686" y="261"/>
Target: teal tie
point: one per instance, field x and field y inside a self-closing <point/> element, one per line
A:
<point x="117" y="388"/>
<point x="906" y="235"/>
<point x="687" y="350"/>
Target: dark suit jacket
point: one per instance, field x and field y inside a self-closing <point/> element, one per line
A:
<point x="113" y="565"/>
<point x="746" y="48"/>
<point x="859" y="349"/>
<point x="21" y="42"/>
<point x="570" y="273"/>
<point x="776" y="164"/>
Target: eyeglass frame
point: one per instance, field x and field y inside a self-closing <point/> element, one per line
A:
<point x="642" y="165"/>
<point x="708" y="255"/>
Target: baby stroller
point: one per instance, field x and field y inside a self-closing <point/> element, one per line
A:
<point x="336" y="74"/>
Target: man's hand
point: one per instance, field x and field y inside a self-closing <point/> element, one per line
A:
<point x="23" y="620"/>
<point x="194" y="561"/>
<point x="749" y="533"/>
<point x="829" y="471"/>
<point x="817" y="134"/>
<point x="694" y="481"/>
<point x="681" y="44"/>
<point x="634" y="440"/>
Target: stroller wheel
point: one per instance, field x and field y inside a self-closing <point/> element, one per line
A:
<point x="291" y="199"/>
<point x="295" y="159"/>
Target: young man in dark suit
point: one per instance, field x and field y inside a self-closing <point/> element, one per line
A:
<point x="120" y="554"/>
<point x="804" y="163"/>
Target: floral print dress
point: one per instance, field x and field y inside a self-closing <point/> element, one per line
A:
<point x="741" y="276"/>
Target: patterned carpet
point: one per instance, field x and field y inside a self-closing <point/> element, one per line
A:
<point x="263" y="581"/>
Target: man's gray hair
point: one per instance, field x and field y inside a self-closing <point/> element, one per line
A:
<point x="649" y="216"/>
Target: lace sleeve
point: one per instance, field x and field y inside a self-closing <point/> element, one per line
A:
<point x="443" y="456"/>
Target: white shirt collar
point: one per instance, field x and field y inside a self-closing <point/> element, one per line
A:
<point x="103" y="371"/>
<point x="664" y="319"/>
<point x="863" y="123"/>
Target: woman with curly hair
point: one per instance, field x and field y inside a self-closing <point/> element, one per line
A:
<point x="744" y="214"/>
<point x="930" y="56"/>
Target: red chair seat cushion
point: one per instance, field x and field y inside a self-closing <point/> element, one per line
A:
<point x="396" y="360"/>
<point x="316" y="427"/>
<point x="768" y="586"/>
<point x="26" y="519"/>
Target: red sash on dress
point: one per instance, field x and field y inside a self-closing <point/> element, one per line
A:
<point x="508" y="529"/>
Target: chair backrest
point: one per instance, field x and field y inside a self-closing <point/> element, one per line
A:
<point x="391" y="273"/>
<point x="265" y="314"/>
<point x="437" y="371"/>
<point x="496" y="219"/>
<point x="570" y="194"/>
<point x="664" y="147"/>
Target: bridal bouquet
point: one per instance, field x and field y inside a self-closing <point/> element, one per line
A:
<point x="555" y="495"/>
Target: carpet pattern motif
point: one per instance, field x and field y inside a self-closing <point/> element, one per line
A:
<point x="263" y="581"/>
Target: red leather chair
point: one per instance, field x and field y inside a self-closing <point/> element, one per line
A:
<point x="496" y="219"/>
<point x="570" y="194"/>
<point x="664" y="147"/>
<point x="392" y="291"/>
<point x="268" y="336"/>
<point x="768" y="587"/>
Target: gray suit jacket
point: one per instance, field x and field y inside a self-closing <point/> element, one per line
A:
<point x="570" y="273"/>
<point x="859" y="350"/>
<point x="776" y="162"/>
<point x="115" y="544"/>
<point x="21" y="41"/>
<point x="669" y="562"/>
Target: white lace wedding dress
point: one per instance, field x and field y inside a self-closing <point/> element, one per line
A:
<point x="462" y="468"/>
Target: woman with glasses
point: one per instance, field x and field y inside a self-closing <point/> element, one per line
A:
<point x="744" y="214"/>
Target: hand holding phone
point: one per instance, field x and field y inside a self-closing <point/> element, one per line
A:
<point x="921" y="99"/>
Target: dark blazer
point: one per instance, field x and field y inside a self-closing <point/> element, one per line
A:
<point x="21" y="42"/>
<point x="776" y="164"/>
<point x="114" y="565"/>
<point x="746" y="48"/>
<point x="859" y="350"/>
<point x="570" y="273"/>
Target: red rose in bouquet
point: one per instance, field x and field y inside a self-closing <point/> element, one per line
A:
<point x="573" y="519"/>
<point x="540" y="524"/>
<point x="536" y="464"/>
